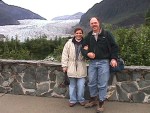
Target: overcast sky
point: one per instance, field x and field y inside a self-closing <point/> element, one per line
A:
<point x="53" y="8"/>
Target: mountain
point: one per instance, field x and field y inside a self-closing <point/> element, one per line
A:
<point x="69" y="17"/>
<point x="9" y="14"/>
<point x="117" y="12"/>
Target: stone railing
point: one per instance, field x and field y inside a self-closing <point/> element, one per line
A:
<point x="131" y="85"/>
<point x="45" y="78"/>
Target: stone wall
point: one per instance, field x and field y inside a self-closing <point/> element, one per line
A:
<point x="131" y="85"/>
<point x="45" y="78"/>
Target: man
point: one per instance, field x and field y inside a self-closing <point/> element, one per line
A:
<point x="95" y="48"/>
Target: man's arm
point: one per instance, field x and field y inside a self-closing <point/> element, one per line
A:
<point x="113" y="46"/>
<point x="114" y="50"/>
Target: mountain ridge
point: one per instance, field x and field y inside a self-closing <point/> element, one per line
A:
<point x="69" y="17"/>
<point x="10" y="14"/>
<point x="118" y="12"/>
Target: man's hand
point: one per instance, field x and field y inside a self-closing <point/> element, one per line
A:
<point x="91" y="55"/>
<point x="64" y="69"/>
<point x="86" y="47"/>
<point x="113" y="63"/>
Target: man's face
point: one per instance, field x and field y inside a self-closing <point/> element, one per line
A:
<point x="94" y="24"/>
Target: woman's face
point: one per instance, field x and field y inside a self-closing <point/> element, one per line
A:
<point x="78" y="35"/>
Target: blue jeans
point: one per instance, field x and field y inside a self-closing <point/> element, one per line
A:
<point x="98" y="75"/>
<point x="76" y="90"/>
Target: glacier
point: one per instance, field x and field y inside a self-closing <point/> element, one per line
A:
<point x="33" y="28"/>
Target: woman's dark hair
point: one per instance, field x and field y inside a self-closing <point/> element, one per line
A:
<point x="78" y="28"/>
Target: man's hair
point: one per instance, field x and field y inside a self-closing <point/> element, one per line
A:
<point x="78" y="28"/>
<point x="96" y="18"/>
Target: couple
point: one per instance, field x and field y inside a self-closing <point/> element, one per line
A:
<point x="94" y="47"/>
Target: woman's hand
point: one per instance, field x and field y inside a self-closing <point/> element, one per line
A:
<point x="64" y="69"/>
<point x="86" y="47"/>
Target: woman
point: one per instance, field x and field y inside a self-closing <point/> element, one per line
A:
<point x="75" y="66"/>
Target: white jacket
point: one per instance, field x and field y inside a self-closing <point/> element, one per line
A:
<point x="76" y="69"/>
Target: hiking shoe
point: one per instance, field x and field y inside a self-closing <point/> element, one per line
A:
<point x="100" y="107"/>
<point x="90" y="104"/>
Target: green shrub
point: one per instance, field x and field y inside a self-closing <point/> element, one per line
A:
<point x="134" y="45"/>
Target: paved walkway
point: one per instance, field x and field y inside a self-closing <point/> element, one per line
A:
<point x="31" y="104"/>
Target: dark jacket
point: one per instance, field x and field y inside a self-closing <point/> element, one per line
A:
<point x="104" y="48"/>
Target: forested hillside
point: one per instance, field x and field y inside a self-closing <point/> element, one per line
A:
<point x="118" y="12"/>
